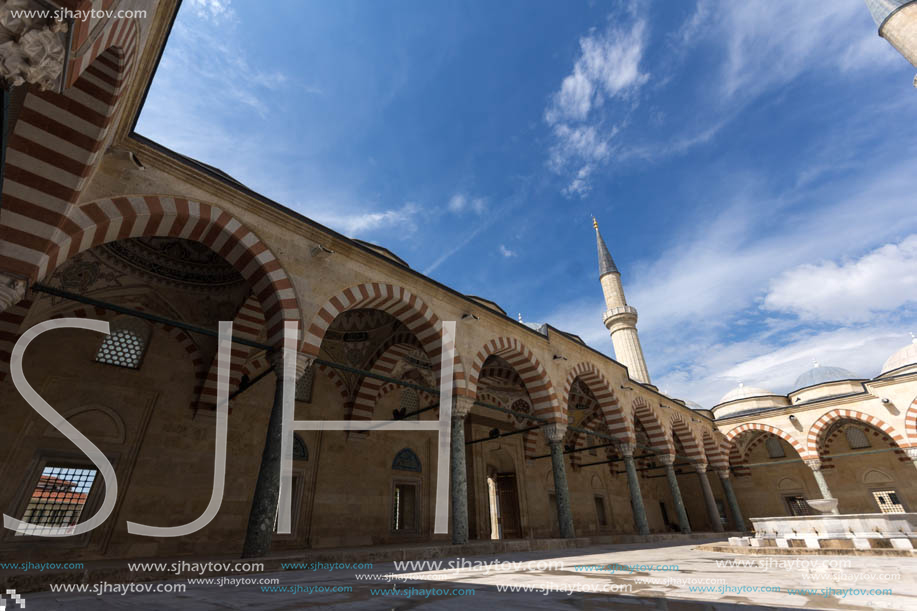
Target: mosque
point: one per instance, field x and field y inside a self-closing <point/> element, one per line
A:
<point x="550" y="439"/>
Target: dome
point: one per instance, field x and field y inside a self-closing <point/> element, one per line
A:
<point x="694" y="405"/>
<point x="905" y="356"/>
<point x="744" y="392"/>
<point x="820" y="375"/>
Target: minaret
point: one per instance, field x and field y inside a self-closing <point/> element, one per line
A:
<point x="620" y="318"/>
<point x="897" y="21"/>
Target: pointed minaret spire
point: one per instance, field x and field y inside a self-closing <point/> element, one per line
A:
<point x="620" y="318"/>
<point x="606" y="263"/>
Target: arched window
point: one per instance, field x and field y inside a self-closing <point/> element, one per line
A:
<point x="856" y="438"/>
<point x="406" y="460"/>
<point x="300" y="451"/>
<point x="774" y="447"/>
<point x="125" y="345"/>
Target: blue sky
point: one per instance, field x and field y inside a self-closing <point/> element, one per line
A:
<point x="751" y="164"/>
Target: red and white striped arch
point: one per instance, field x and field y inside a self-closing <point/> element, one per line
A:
<point x="659" y="439"/>
<point x="818" y="429"/>
<point x="758" y="426"/>
<point x="617" y="423"/>
<point x="383" y="362"/>
<point x="713" y="450"/>
<point x="56" y="144"/>
<point x="247" y="324"/>
<point x="688" y="439"/>
<point x="910" y="423"/>
<point x="107" y="220"/>
<point x="534" y="377"/>
<point x="10" y="322"/>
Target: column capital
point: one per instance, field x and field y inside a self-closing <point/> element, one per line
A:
<point x="303" y="362"/>
<point x="700" y="467"/>
<point x="911" y="453"/>
<point x="461" y="406"/>
<point x="35" y="49"/>
<point x="555" y="432"/>
<point x="627" y="448"/>
<point x="667" y="459"/>
<point x="814" y="463"/>
<point x="12" y="290"/>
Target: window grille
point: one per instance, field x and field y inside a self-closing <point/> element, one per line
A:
<point x="798" y="506"/>
<point x="304" y="385"/>
<point x="125" y="345"/>
<point x="58" y="498"/>
<point x="774" y="448"/>
<point x="888" y="501"/>
<point x="856" y="438"/>
<point x="410" y="402"/>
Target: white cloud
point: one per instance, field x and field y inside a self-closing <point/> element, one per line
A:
<point x="506" y="252"/>
<point x="361" y="223"/>
<point x="460" y="202"/>
<point x="853" y="291"/>
<point x="213" y="10"/>
<point x="607" y="68"/>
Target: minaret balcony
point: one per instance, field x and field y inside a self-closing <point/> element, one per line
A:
<point x="620" y="316"/>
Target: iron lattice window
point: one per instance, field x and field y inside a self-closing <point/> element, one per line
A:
<point x="774" y="448"/>
<point x="125" y="346"/>
<point x="410" y="402"/>
<point x="856" y="438"/>
<point x="798" y="506"/>
<point x="888" y="501"/>
<point x="58" y="498"/>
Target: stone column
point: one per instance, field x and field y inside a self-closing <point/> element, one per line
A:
<point x="555" y="436"/>
<point x="815" y="465"/>
<point x="668" y="460"/>
<point x="458" y="483"/>
<point x="633" y="482"/>
<point x="267" y="490"/>
<point x="737" y="519"/>
<point x="712" y="511"/>
<point x="12" y="290"/>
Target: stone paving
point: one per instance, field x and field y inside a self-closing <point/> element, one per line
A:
<point x="635" y="567"/>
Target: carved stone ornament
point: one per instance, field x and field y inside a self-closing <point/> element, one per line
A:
<point x="12" y="290"/>
<point x="31" y="48"/>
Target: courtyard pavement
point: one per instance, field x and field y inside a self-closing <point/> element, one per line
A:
<point x="635" y="576"/>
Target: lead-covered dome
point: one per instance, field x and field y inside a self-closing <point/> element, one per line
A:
<point x="820" y="374"/>
<point x="903" y="357"/>
<point x="744" y="392"/>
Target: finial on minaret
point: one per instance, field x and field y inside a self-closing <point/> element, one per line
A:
<point x="520" y="316"/>
<point x="595" y="223"/>
<point x="913" y="338"/>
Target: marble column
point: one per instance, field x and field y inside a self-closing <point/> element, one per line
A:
<point x="555" y="436"/>
<point x="267" y="489"/>
<point x="633" y="483"/>
<point x="12" y="290"/>
<point x="458" y="482"/>
<point x="816" y="465"/>
<point x="737" y="519"/>
<point x="712" y="512"/>
<point x="668" y="460"/>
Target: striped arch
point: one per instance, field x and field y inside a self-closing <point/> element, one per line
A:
<point x="336" y="379"/>
<point x="618" y="426"/>
<point x="108" y="220"/>
<point x="659" y="439"/>
<point x="247" y="324"/>
<point x="536" y="380"/>
<point x="910" y="423"/>
<point x="10" y="322"/>
<point x="713" y="451"/>
<point x="757" y="426"/>
<point x="820" y="427"/>
<point x="685" y="435"/>
<point x="57" y="142"/>
<point x="383" y="362"/>
<point x="117" y="33"/>
<point x="179" y="335"/>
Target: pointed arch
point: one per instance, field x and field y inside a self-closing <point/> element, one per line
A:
<point x="910" y="423"/>
<point x="716" y="458"/>
<point x="689" y="442"/>
<point x="618" y="425"/>
<point x="247" y="324"/>
<point x="534" y="377"/>
<point x="757" y="426"/>
<point x="660" y="441"/>
<point x="383" y="362"/>
<point x="821" y="426"/>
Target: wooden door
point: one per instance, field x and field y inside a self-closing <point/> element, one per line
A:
<point x="509" y="506"/>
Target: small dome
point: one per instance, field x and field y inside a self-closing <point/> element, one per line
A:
<point x="744" y="392"/>
<point x="694" y="405"/>
<point x="820" y="375"/>
<point x="905" y="356"/>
